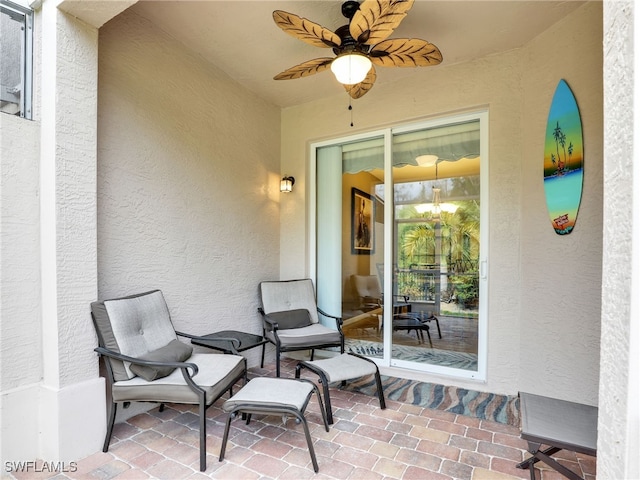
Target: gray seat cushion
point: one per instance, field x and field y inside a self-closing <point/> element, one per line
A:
<point x="316" y="334"/>
<point x="271" y="392"/>
<point x="344" y="367"/>
<point x="215" y="373"/>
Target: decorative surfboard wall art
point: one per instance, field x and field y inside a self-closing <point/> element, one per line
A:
<point x="563" y="160"/>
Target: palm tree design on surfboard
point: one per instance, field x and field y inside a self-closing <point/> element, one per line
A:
<point x="563" y="160"/>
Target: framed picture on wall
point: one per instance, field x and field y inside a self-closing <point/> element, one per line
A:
<point x="362" y="222"/>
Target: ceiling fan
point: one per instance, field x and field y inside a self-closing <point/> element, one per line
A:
<point x="359" y="45"/>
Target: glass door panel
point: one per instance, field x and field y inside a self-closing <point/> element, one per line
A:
<point x="351" y="262"/>
<point x="436" y="175"/>
<point x="398" y="243"/>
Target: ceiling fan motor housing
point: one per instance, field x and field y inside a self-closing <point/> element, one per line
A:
<point x="348" y="43"/>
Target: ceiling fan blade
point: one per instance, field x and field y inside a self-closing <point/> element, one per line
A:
<point x="405" y="52"/>
<point x="377" y="19"/>
<point x="305" y="69"/>
<point x="306" y="30"/>
<point x="359" y="89"/>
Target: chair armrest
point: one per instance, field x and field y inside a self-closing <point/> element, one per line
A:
<point x="337" y="319"/>
<point x="151" y="363"/>
<point x="402" y="297"/>
<point x="234" y="341"/>
<point x="371" y="300"/>
<point x="187" y="335"/>
<point x="269" y="324"/>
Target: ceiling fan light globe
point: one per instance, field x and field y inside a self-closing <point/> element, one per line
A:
<point x="351" y="68"/>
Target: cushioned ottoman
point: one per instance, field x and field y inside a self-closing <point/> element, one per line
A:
<point x="340" y="369"/>
<point x="270" y="396"/>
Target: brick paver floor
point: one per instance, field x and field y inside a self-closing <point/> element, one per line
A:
<point x="402" y="442"/>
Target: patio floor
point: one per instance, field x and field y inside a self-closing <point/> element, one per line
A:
<point x="402" y="442"/>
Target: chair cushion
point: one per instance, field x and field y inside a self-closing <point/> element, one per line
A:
<point x="278" y="296"/>
<point x="291" y="318"/>
<point x="134" y="326"/>
<point x="313" y="335"/>
<point x="271" y="393"/>
<point x="367" y="286"/>
<point x="174" y="351"/>
<point x="344" y="367"/>
<point x="217" y="373"/>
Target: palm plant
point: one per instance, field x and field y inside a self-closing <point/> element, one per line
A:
<point x="418" y="241"/>
<point x="464" y="229"/>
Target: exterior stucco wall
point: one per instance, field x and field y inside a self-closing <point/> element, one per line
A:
<point x="561" y="275"/>
<point x="497" y="83"/>
<point x="619" y="408"/>
<point x="20" y="329"/>
<point x="188" y="181"/>
<point x="20" y="319"/>
<point x="49" y="390"/>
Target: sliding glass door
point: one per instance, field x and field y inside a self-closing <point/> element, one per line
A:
<point x="399" y="243"/>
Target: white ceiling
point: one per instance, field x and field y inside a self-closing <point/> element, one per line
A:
<point x="240" y="37"/>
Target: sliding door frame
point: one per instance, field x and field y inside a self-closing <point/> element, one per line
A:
<point x="389" y="230"/>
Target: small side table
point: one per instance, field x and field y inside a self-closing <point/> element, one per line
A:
<point x="558" y="425"/>
<point x="221" y="341"/>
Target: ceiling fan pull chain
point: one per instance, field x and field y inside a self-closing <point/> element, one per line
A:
<point x="351" y="111"/>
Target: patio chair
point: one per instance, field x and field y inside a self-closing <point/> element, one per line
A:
<point x="370" y="294"/>
<point x="146" y="362"/>
<point x="368" y="290"/>
<point x="291" y="319"/>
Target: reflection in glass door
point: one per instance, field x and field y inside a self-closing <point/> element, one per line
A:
<point x="357" y="167"/>
<point x="436" y="174"/>
<point x="430" y="317"/>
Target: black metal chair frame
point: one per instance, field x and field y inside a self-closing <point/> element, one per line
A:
<point x="325" y="383"/>
<point x="189" y="370"/>
<point x="271" y="326"/>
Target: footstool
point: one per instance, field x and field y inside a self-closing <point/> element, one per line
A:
<point x="340" y="369"/>
<point x="270" y="396"/>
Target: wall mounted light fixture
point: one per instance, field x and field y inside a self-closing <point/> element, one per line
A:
<point x="286" y="184"/>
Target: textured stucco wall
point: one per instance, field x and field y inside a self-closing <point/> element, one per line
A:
<point x="494" y="82"/>
<point x="20" y="300"/>
<point x="20" y="329"/>
<point x="20" y="319"/>
<point x="188" y="181"/>
<point x="619" y="408"/>
<point x="68" y="196"/>
<point x="561" y="275"/>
